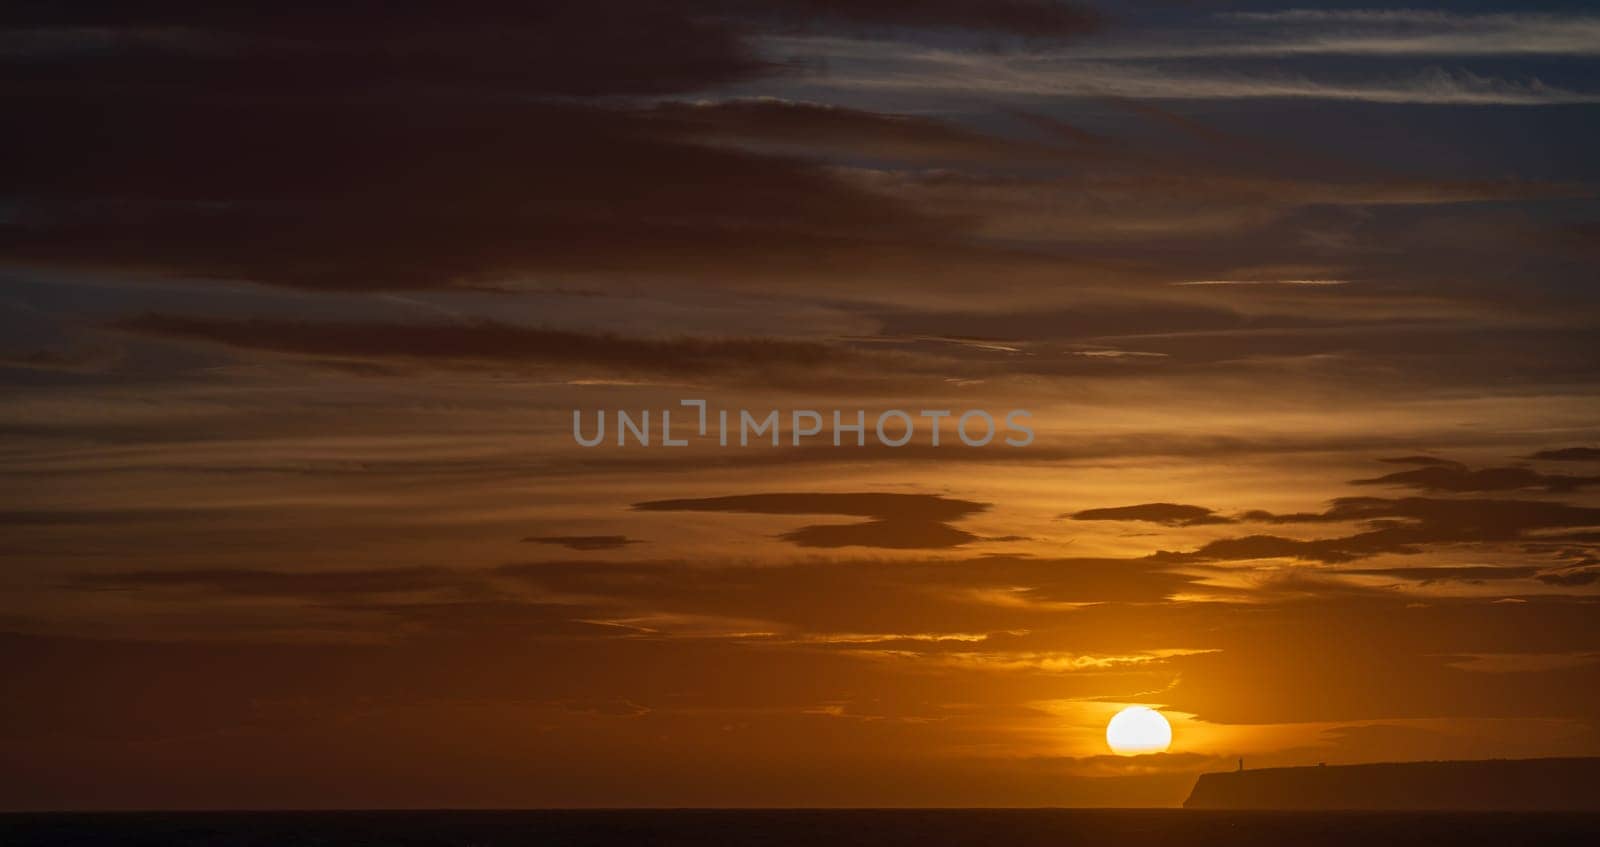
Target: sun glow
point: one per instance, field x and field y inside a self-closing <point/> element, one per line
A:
<point x="1138" y="729"/>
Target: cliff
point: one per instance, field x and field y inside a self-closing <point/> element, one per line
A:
<point x="1496" y="784"/>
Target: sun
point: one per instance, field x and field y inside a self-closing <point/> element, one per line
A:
<point x="1138" y="729"/>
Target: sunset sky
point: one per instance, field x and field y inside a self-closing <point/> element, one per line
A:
<point x="298" y="305"/>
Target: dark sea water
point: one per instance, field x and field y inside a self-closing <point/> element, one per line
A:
<point x="772" y="828"/>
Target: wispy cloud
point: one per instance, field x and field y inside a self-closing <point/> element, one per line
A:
<point x="1399" y="33"/>
<point x="866" y="65"/>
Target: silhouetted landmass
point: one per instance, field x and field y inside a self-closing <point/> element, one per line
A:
<point x="1492" y="785"/>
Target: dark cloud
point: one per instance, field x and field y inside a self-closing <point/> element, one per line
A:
<point x="1569" y="454"/>
<point x="406" y="146"/>
<point x="1572" y="578"/>
<point x="409" y="146"/>
<point x="1403" y="526"/>
<point x="1168" y="514"/>
<point x="369" y="195"/>
<point x="583" y="542"/>
<point x="1441" y="475"/>
<point x="268" y="169"/>
<point x="898" y="521"/>
<point x="894" y="535"/>
<point x="1429" y="576"/>
<point x="1425" y="461"/>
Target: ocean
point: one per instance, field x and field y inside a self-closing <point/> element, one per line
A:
<point x="783" y="828"/>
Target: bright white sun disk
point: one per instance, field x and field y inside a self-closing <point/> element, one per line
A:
<point x="1138" y="729"/>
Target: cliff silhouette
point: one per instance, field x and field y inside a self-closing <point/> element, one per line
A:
<point x="1494" y="784"/>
